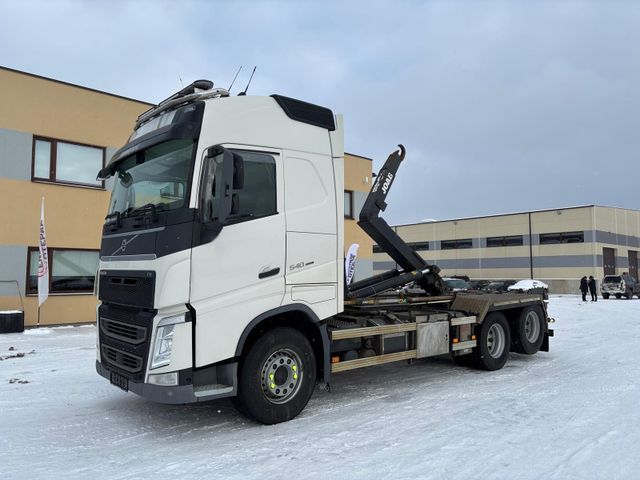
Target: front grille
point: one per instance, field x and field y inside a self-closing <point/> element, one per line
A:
<point x="125" y="334"/>
<point x="135" y="288"/>
<point x="127" y="361"/>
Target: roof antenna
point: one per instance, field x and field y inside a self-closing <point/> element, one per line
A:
<point x="234" y="79"/>
<point x="248" y="83"/>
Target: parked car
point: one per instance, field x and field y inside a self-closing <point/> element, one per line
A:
<point x="619" y="285"/>
<point x="478" y="284"/>
<point x="529" y="286"/>
<point x="462" y="277"/>
<point x="498" y="286"/>
<point x="456" y="284"/>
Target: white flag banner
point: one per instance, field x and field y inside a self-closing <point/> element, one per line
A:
<point x="350" y="262"/>
<point x="43" y="262"/>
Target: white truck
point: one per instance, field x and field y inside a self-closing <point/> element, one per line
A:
<point x="221" y="267"/>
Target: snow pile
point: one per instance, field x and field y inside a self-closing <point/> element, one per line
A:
<point x="572" y="413"/>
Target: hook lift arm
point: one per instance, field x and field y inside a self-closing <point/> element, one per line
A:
<point x="414" y="267"/>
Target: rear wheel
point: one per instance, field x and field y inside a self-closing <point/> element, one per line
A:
<point x="605" y="296"/>
<point x="528" y="333"/>
<point x="494" y="339"/>
<point x="618" y="295"/>
<point x="628" y="294"/>
<point x="277" y="377"/>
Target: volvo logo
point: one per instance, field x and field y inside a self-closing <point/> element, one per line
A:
<point x="125" y="242"/>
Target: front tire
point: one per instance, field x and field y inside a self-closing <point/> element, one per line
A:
<point x="494" y="340"/>
<point x="529" y="329"/>
<point x="277" y="377"/>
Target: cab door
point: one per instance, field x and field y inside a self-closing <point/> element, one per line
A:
<point x="240" y="273"/>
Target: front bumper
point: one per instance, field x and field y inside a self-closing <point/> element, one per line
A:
<point x="612" y="291"/>
<point x="181" y="394"/>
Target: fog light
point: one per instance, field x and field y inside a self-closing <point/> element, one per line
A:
<point x="164" y="379"/>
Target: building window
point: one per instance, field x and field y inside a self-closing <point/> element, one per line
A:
<point x="456" y="244"/>
<point x="510" y="241"/>
<point x="377" y="249"/>
<point x="564" y="237"/>
<point x="419" y="245"/>
<point x="348" y="204"/>
<point x="65" y="162"/>
<point x="70" y="271"/>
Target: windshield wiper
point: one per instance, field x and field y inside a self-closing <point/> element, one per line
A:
<point x="143" y="210"/>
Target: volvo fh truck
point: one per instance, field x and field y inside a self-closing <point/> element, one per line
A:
<point x="222" y="270"/>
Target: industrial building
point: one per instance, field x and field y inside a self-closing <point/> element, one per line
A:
<point x="54" y="138"/>
<point x="557" y="246"/>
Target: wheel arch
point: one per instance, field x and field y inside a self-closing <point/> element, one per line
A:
<point x="299" y="317"/>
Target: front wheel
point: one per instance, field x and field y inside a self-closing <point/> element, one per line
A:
<point x="494" y="340"/>
<point x="277" y="377"/>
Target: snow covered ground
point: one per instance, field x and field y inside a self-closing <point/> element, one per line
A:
<point x="573" y="413"/>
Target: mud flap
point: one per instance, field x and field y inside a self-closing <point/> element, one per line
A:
<point x="545" y="343"/>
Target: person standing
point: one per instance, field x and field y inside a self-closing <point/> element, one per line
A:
<point x="592" y="288"/>
<point x="584" y="288"/>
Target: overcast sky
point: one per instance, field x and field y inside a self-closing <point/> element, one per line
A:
<point x="502" y="106"/>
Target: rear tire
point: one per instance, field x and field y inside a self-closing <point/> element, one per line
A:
<point x="628" y="295"/>
<point x="494" y="340"/>
<point x="528" y="332"/>
<point x="605" y="296"/>
<point x="277" y="377"/>
<point x="618" y="295"/>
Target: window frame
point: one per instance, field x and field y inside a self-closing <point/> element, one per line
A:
<point x="230" y="220"/>
<point x="53" y="161"/>
<point x="502" y="241"/>
<point x="34" y="292"/>
<point x="349" y="216"/>
<point x="563" y="237"/>
<point x="456" y="244"/>
<point x="419" y="246"/>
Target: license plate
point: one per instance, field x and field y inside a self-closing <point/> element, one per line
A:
<point x="120" y="381"/>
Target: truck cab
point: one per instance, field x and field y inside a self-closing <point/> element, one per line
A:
<point x="225" y="220"/>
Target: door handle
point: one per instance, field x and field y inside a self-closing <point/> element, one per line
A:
<point x="269" y="273"/>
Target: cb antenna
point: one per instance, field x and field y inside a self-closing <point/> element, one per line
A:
<point x="234" y="79"/>
<point x="248" y="83"/>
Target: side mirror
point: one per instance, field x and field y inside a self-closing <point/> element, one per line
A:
<point x="238" y="172"/>
<point x="222" y="174"/>
<point x="125" y="179"/>
<point x="235" y="204"/>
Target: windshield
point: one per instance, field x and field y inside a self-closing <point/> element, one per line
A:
<point x="157" y="176"/>
<point x="456" y="283"/>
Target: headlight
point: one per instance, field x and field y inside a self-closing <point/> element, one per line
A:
<point x="164" y="341"/>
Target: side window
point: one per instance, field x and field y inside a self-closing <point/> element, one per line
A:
<point x="258" y="196"/>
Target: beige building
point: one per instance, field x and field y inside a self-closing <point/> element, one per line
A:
<point x="54" y="137"/>
<point x="556" y="246"/>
